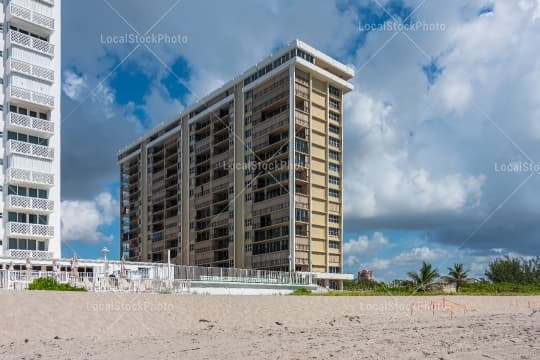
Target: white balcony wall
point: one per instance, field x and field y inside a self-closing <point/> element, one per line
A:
<point x="35" y="6"/>
<point x="31" y="57"/>
<point x="22" y="162"/>
<point x="33" y="85"/>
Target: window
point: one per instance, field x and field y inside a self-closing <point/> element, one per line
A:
<point x="334" y="104"/>
<point x="333" y="193"/>
<point x="334" y="129"/>
<point x="334" y="91"/>
<point x="334" y="180"/>
<point x="332" y="244"/>
<point x="26" y="244"/>
<point x="333" y="116"/>
<point x="302" y="215"/>
<point x="334" y="142"/>
<point x="333" y="219"/>
<point x="334" y="269"/>
<point x="333" y="231"/>
<point x="333" y="167"/>
<point x="334" y="155"/>
<point x="26" y="138"/>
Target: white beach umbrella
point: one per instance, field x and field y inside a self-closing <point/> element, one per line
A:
<point x="74" y="266"/>
<point x="123" y="273"/>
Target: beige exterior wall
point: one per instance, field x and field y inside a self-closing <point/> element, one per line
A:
<point x="253" y="174"/>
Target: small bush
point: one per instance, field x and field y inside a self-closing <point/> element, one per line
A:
<point x="51" y="284"/>
<point x="301" y="291"/>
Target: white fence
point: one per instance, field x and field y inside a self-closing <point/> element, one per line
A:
<point x="156" y="278"/>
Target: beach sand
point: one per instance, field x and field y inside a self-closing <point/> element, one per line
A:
<point x="49" y="325"/>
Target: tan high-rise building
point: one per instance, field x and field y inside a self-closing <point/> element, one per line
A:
<point x="251" y="176"/>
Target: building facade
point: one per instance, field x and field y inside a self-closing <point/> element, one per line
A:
<point x="249" y="177"/>
<point x="30" y="138"/>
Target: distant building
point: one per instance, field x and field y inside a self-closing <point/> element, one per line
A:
<point x="248" y="177"/>
<point x="365" y="275"/>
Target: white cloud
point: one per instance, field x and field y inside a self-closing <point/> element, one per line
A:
<point x="82" y="220"/>
<point x="420" y="254"/>
<point x="74" y="85"/>
<point x="359" y="250"/>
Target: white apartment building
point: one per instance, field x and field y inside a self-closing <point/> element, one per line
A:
<point x="30" y="75"/>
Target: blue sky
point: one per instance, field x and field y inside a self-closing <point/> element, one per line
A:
<point x="435" y="109"/>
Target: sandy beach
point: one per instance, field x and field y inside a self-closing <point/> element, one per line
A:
<point x="48" y="325"/>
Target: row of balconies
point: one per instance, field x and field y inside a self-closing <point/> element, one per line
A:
<point x="31" y="18"/>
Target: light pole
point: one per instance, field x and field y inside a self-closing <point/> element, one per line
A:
<point x="105" y="252"/>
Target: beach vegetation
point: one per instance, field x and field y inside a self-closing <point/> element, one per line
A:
<point x="51" y="284"/>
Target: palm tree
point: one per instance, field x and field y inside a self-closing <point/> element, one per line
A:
<point x="457" y="275"/>
<point x="425" y="278"/>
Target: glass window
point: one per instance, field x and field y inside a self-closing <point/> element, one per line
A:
<point x="33" y="139"/>
<point x="33" y="113"/>
<point x="32" y="193"/>
<point x="22" y="191"/>
<point x="22" y="137"/>
<point x="43" y="220"/>
<point x="12" y="217"/>
<point x="12" y="190"/>
<point x="12" y="135"/>
<point x="41" y="246"/>
<point x="23" y="111"/>
<point x="42" y="194"/>
<point x="32" y="219"/>
<point x="43" y="116"/>
<point x="31" y="245"/>
<point x="334" y="180"/>
<point x="12" y="243"/>
<point x="22" y="244"/>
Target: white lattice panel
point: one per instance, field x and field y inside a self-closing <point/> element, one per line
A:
<point x="31" y="96"/>
<point x="24" y="148"/>
<point x="19" y="176"/>
<point x="26" y="68"/>
<point x="29" y="203"/>
<point x="30" y="42"/>
<point x="32" y="123"/>
<point x="34" y="254"/>
<point x="30" y="230"/>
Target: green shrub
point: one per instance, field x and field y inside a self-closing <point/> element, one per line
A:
<point x="51" y="284"/>
<point x="301" y="291"/>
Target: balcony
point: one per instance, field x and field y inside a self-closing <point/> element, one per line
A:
<point x="28" y="177"/>
<point x="30" y="231"/>
<point x="30" y="125"/>
<point x="28" y="149"/>
<point x="25" y="68"/>
<point x="43" y="206"/>
<point x="16" y="93"/>
<point x="32" y="254"/>
<point x="30" y="42"/>
<point x="20" y="12"/>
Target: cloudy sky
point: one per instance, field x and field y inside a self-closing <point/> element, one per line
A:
<point x="442" y="132"/>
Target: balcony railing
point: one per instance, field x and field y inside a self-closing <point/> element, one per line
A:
<point x="26" y="68"/>
<point x="43" y="128"/>
<point x="29" y="177"/>
<point x="31" y="96"/>
<point x="25" y="148"/>
<point x="30" y="42"/>
<point x="17" y="202"/>
<point x="20" y="11"/>
<point x="33" y="254"/>
<point x="30" y="230"/>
